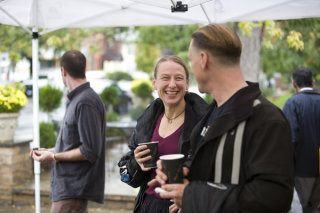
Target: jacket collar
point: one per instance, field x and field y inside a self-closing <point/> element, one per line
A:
<point x="309" y="91"/>
<point x="78" y="90"/>
<point x="240" y="110"/>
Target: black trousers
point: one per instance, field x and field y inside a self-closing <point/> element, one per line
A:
<point x="152" y="204"/>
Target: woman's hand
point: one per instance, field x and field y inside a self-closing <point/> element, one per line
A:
<point x="140" y="154"/>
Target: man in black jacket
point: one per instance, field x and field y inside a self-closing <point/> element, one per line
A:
<point x="242" y="157"/>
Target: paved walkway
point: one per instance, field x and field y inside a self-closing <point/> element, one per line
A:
<point x="31" y="209"/>
<point x="296" y="206"/>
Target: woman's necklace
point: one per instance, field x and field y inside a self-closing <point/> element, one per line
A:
<point x="171" y="119"/>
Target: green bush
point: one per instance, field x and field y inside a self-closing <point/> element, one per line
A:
<point x="267" y="91"/>
<point x="208" y="98"/>
<point x="136" y="112"/>
<point x="142" y="89"/>
<point x="110" y="96"/>
<point x="112" y="116"/>
<point x="117" y="76"/>
<point x="49" y="98"/>
<point x="47" y="135"/>
<point x="280" y="100"/>
<point x="114" y="132"/>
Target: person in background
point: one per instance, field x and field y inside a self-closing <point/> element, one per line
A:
<point x="242" y="155"/>
<point x="169" y="119"/>
<point x="78" y="158"/>
<point x="303" y="113"/>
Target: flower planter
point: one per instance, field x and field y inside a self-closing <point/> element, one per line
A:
<point x="8" y="124"/>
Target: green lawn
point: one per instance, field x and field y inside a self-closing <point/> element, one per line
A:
<point x="280" y="100"/>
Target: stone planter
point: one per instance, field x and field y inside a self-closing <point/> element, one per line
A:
<point x="8" y="124"/>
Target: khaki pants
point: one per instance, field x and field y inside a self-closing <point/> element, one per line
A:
<point x="70" y="206"/>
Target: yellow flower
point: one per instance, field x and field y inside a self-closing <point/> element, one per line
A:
<point x="12" y="98"/>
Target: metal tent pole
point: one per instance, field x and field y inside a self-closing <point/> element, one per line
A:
<point x="35" y="97"/>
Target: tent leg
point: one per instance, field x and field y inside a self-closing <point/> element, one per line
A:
<point x="37" y="186"/>
<point x="35" y="97"/>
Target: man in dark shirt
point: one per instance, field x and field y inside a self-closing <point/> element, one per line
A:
<point x="303" y="112"/>
<point x="78" y="158"/>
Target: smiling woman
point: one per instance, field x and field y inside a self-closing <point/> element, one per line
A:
<point x="169" y="119"/>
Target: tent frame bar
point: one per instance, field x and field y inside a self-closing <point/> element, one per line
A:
<point x="16" y="20"/>
<point x="205" y="13"/>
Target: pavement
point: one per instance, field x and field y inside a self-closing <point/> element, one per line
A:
<point x="46" y="209"/>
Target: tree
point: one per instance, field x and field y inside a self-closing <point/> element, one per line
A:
<point x="250" y="34"/>
<point x="17" y="41"/>
<point x="301" y="46"/>
<point x="154" y="41"/>
<point x="146" y="56"/>
<point x="176" y="40"/>
<point x="282" y="45"/>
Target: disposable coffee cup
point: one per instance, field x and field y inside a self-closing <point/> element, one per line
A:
<point x="153" y="146"/>
<point x="172" y="167"/>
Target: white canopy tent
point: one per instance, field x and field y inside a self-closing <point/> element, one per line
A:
<point x="56" y="14"/>
<point x="51" y="15"/>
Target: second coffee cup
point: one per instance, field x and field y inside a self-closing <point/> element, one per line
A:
<point x="172" y="167"/>
<point x="153" y="146"/>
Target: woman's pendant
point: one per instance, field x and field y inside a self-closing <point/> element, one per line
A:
<point x="170" y="121"/>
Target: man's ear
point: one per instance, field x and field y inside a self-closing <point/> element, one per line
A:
<point x="204" y="59"/>
<point x="63" y="71"/>
<point x="295" y="86"/>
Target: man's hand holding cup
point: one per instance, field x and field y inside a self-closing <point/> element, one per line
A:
<point x="170" y="175"/>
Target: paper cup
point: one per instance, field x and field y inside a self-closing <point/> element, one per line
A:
<point x="172" y="167"/>
<point x="153" y="146"/>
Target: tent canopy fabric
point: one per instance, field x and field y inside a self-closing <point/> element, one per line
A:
<point x="55" y="14"/>
<point x="111" y="13"/>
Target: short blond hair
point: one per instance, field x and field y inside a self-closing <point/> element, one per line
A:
<point x="220" y="41"/>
